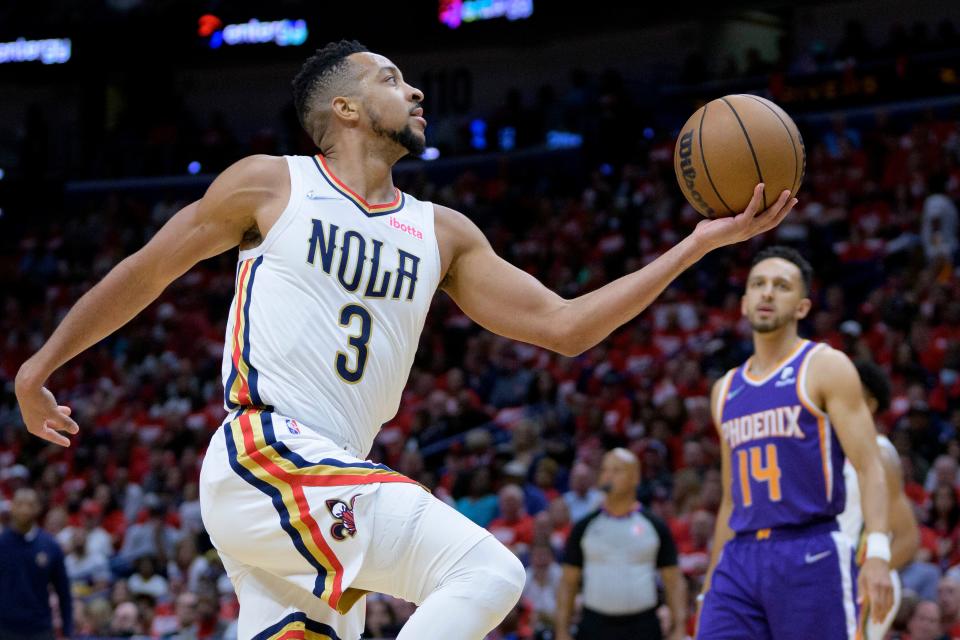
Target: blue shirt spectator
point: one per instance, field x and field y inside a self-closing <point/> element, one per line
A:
<point x="30" y="561"/>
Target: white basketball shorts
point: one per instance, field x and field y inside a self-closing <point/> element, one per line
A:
<point x="303" y="536"/>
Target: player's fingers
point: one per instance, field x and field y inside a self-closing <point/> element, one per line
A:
<point x="778" y="205"/>
<point x="784" y="211"/>
<point x="755" y="201"/>
<point x="64" y="409"/>
<point x="881" y="599"/>
<point x="63" y="423"/>
<point x="52" y="436"/>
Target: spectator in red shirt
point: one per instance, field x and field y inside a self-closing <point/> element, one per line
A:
<point x="514" y="527"/>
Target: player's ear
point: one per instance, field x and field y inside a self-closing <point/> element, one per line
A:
<point x="743" y="305"/>
<point x="803" y="308"/>
<point x="345" y="108"/>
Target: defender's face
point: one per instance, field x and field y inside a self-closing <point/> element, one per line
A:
<point x="775" y="295"/>
<point x="392" y="106"/>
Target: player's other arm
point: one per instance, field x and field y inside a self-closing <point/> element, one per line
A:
<point x="512" y="303"/>
<point x="835" y="386"/>
<point x="215" y="223"/>
<point x="722" y="532"/>
<point x="903" y="522"/>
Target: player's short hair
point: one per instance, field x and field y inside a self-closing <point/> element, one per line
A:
<point x="322" y="74"/>
<point x="790" y="255"/>
<point x="873" y="378"/>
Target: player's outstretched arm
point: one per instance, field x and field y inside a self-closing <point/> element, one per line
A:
<point x="512" y="303"/>
<point x="200" y="230"/>
<point x="835" y="386"/>
<point x="903" y="522"/>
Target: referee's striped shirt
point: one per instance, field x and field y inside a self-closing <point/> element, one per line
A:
<point x="619" y="557"/>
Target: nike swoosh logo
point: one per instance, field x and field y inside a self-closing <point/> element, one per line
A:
<point x="817" y="557"/>
<point x="734" y="392"/>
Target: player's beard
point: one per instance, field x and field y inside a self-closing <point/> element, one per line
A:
<point x="770" y="325"/>
<point x="405" y="137"/>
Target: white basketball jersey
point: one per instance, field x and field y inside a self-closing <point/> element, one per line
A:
<point x="851" y="519"/>
<point x="329" y="308"/>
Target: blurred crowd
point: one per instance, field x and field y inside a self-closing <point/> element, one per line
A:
<point x="509" y="434"/>
<point x="855" y="48"/>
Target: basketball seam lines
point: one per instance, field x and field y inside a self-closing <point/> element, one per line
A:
<point x="756" y="163"/>
<point x="796" y="163"/>
<point x="703" y="159"/>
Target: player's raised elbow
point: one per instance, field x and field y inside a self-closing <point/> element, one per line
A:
<point x="563" y="329"/>
<point x="570" y="342"/>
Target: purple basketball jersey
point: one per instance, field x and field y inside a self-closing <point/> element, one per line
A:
<point x="786" y="462"/>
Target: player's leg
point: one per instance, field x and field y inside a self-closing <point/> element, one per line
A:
<point x="271" y="606"/>
<point x="462" y="579"/>
<point x="810" y="588"/>
<point x="285" y="504"/>
<point x="730" y="610"/>
<point x="269" y="546"/>
<point x="876" y="631"/>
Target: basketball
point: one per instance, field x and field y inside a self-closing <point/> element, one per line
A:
<point x="731" y="144"/>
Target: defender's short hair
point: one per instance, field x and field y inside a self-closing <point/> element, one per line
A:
<point x="790" y="255"/>
<point x="876" y="382"/>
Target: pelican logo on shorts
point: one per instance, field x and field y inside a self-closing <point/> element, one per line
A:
<point x="293" y="427"/>
<point x="345" y="525"/>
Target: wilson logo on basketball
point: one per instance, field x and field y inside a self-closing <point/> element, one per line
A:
<point x="689" y="174"/>
<point x="406" y="228"/>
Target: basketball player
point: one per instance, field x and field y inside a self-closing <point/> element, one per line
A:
<point x="336" y="272"/>
<point x="780" y="568"/>
<point x="903" y="524"/>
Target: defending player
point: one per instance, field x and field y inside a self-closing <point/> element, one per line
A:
<point x="904" y="532"/>
<point x="780" y="568"/>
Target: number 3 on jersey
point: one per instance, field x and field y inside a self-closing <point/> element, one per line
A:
<point x="358" y="342"/>
<point x="769" y="473"/>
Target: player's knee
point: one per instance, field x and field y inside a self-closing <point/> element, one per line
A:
<point x="501" y="577"/>
<point x="514" y="576"/>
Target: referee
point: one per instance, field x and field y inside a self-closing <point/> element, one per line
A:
<point x="618" y="551"/>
